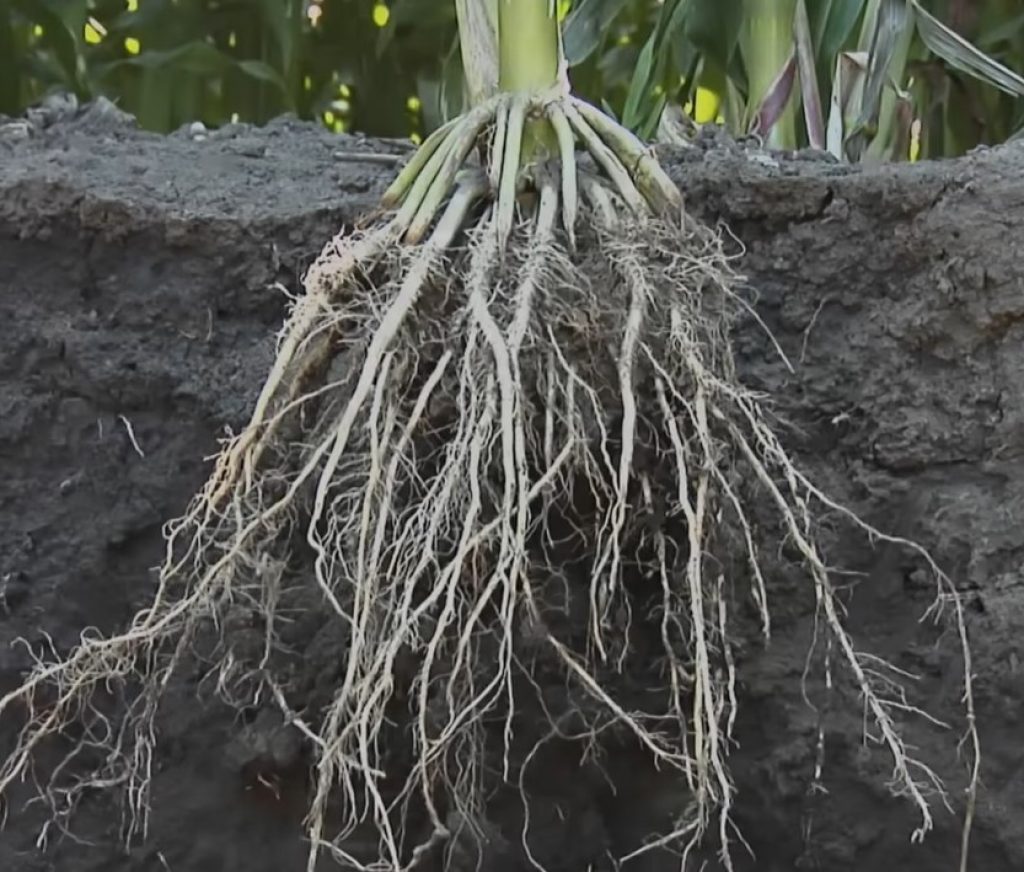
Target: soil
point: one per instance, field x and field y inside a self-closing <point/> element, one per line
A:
<point x="143" y="280"/>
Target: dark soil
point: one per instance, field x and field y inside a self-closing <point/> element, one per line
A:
<point x="138" y="310"/>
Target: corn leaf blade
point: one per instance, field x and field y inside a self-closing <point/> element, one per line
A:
<point x="958" y="53"/>
<point x="811" y="97"/>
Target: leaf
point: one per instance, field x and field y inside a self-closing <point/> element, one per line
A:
<point x="1005" y="31"/>
<point x="714" y="26"/>
<point x="193" y="57"/>
<point x="649" y="125"/>
<point x="639" y="84"/>
<point x="891" y="26"/>
<point x="586" y="26"/>
<point x="835" y="27"/>
<point x="774" y="102"/>
<point x="200" y="58"/>
<point x="59" y="35"/>
<point x="263" y="72"/>
<point x="813" y="115"/>
<point x="847" y="91"/>
<point x="652" y="60"/>
<point x="899" y="148"/>
<point x="767" y="49"/>
<point x="961" y="55"/>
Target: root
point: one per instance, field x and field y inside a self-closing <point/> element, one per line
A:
<point x="462" y="444"/>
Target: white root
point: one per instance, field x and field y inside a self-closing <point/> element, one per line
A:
<point x="605" y="157"/>
<point x="509" y="175"/>
<point x="567" y="171"/>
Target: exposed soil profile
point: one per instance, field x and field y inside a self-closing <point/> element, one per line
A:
<point x="142" y="282"/>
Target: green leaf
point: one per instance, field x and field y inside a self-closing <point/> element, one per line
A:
<point x="1005" y="31"/>
<point x="775" y="100"/>
<point x="890" y="32"/>
<point x="961" y="55"/>
<point x="847" y="94"/>
<point x="639" y="84"/>
<point x="649" y="125"/>
<point x="833" y="28"/>
<point x="263" y="72"/>
<point x="193" y="57"/>
<point x="714" y="26"/>
<point x="814" y="119"/>
<point x="586" y="26"/>
<point x="653" y="57"/>
<point x="200" y="58"/>
<point x="767" y="48"/>
<point x="58" y="21"/>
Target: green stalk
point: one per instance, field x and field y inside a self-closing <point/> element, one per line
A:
<point x="528" y="62"/>
<point x="527" y="45"/>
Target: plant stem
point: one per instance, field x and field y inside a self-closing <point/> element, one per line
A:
<point x="478" y="39"/>
<point x="528" y="62"/>
<point x="527" y="45"/>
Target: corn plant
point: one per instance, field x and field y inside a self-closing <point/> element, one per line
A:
<point x="855" y="76"/>
<point x="353" y="63"/>
<point x="503" y="432"/>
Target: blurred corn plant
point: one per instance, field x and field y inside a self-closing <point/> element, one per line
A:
<point x="172" y="61"/>
<point x="866" y="79"/>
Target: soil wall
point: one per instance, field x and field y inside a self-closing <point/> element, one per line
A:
<point x="141" y="286"/>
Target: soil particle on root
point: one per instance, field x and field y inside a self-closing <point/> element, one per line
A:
<point x="141" y="281"/>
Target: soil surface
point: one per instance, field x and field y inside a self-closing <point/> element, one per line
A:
<point x="143" y="280"/>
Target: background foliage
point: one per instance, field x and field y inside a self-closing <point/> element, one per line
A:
<point x="392" y="68"/>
